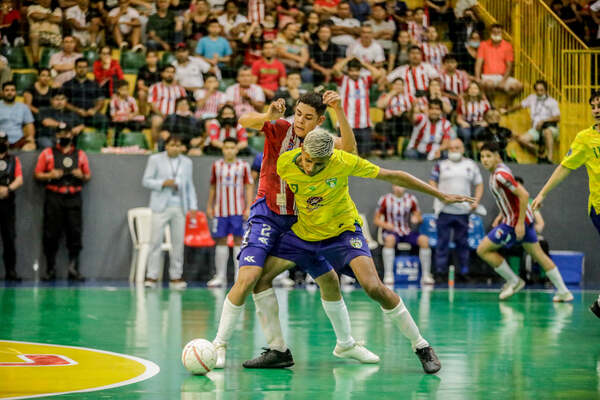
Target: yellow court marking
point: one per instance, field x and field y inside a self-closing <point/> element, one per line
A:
<point x="30" y="370"/>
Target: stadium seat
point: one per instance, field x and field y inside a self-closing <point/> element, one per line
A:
<point x="225" y="83"/>
<point x="256" y="142"/>
<point x="24" y="79"/>
<point x="376" y="115"/>
<point x="476" y="231"/>
<point x="16" y="56"/>
<point x="91" y="141"/>
<point x="46" y="53"/>
<point x="307" y="86"/>
<point x="133" y="139"/>
<point x="132" y="61"/>
<point x="167" y="59"/>
<point x="429" y="228"/>
<point x="197" y="233"/>
<point x="90" y="55"/>
<point x="374" y="93"/>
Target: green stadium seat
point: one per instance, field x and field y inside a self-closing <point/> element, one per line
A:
<point x="307" y="86"/>
<point x="256" y="142"/>
<point x="167" y="58"/>
<point x="374" y="93"/>
<point x="132" y="61"/>
<point x="91" y="141"/>
<point x="133" y="139"/>
<point x="91" y="55"/>
<point x="24" y="79"/>
<point x="45" y="56"/>
<point x="16" y="56"/>
<point x="225" y="83"/>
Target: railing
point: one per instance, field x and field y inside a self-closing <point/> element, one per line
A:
<point x="545" y="48"/>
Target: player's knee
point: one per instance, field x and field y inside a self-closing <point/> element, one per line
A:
<point x="389" y="241"/>
<point x="423" y="241"/>
<point x="247" y="278"/>
<point x="375" y="289"/>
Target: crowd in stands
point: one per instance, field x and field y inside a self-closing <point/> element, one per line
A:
<point x="581" y="16"/>
<point x="410" y="79"/>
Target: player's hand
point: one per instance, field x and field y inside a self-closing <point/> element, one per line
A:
<point x="210" y="212"/>
<point x="276" y="109"/>
<point x="246" y="214"/>
<point x="56" y="174"/>
<point x="332" y="99"/>
<point x="537" y="202"/>
<point x="474" y="205"/>
<point x="4" y="192"/>
<point x="169" y="183"/>
<point x="77" y="173"/>
<point x="456" y="198"/>
<point x="520" y="231"/>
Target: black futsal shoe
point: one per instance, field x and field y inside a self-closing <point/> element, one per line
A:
<point x="431" y="363"/>
<point x="595" y="308"/>
<point x="73" y="272"/>
<point x="271" y="359"/>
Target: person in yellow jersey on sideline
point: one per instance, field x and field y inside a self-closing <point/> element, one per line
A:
<point x="585" y="149"/>
<point x="329" y="226"/>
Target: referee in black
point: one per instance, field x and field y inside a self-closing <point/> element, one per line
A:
<point x="11" y="178"/>
<point x="64" y="169"/>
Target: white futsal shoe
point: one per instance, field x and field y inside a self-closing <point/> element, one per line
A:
<point x="427" y="280"/>
<point x="284" y="281"/>
<point x="510" y="289"/>
<point x="356" y="352"/>
<point x="563" y="297"/>
<point x="346" y="280"/>
<point x="221" y="352"/>
<point x="217" y="281"/>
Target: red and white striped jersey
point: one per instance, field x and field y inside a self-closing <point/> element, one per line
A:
<point x="423" y="102"/>
<point x="416" y="31"/>
<point x="279" y="138"/>
<point x="164" y="96"/>
<point x="473" y="111"/>
<point x="234" y="96"/>
<point x="504" y="187"/>
<point x="397" y="211"/>
<point x="256" y="11"/>
<point x="217" y="132"/>
<point x="229" y="180"/>
<point x="433" y="53"/>
<point x="415" y="78"/>
<point x="212" y="104"/>
<point x="355" y="100"/>
<point x="398" y="105"/>
<point x="121" y="109"/>
<point x="456" y="83"/>
<point x="427" y="136"/>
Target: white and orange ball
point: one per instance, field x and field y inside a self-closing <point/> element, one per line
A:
<point x="199" y="356"/>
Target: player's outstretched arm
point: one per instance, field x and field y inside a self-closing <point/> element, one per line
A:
<point x="254" y="120"/>
<point x="409" y="181"/>
<point x="347" y="141"/>
<point x="559" y="175"/>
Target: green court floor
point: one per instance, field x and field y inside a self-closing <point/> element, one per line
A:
<point x="525" y="348"/>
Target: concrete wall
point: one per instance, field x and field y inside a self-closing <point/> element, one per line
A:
<point x="116" y="187"/>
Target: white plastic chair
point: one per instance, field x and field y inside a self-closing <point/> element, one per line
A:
<point x="140" y="228"/>
<point x="367" y="233"/>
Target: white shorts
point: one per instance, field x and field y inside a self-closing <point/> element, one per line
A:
<point x="496" y="79"/>
<point x="534" y="134"/>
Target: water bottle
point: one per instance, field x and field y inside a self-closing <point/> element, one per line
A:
<point x="451" y="276"/>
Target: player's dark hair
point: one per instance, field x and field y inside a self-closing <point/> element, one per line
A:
<point x="495" y="26"/>
<point x="398" y="79"/>
<point x="436" y="102"/>
<point x="354" y="64"/>
<point x="165" y="67"/>
<point x="315" y="100"/>
<point x="541" y="82"/>
<point x="413" y="47"/>
<point x="212" y="21"/>
<point x="226" y="107"/>
<point x="175" y="138"/>
<point x="595" y="95"/>
<point x="9" y="83"/>
<point x="449" y="57"/>
<point x="57" y="92"/>
<point x="230" y="139"/>
<point x="80" y="60"/>
<point x="122" y="83"/>
<point x="520" y="180"/>
<point x="491" y="147"/>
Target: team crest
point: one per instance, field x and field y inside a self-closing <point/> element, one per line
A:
<point x="331" y="182"/>
<point x="294" y="187"/>
<point x="356" y="243"/>
<point x="314" y="202"/>
<point x="67" y="162"/>
<point x="499" y="234"/>
<point x="3" y="165"/>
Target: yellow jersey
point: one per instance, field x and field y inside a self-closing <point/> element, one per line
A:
<point x="585" y="149"/>
<point x="325" y="208"/>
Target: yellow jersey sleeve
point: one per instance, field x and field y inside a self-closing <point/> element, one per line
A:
<point x="285" y="162"/>
<point x="359" y="166"/>
<point x="578" y="153"/>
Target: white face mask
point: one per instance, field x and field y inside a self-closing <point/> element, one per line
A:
<point x="454" y="156"/>
<point x="496" y="38"/>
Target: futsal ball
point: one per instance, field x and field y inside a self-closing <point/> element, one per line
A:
<point x="199" y="356"/>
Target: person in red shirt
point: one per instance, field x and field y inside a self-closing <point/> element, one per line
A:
<point x="64" y="169"/>
<point x="107" y="71"/>
<point x="9" y="21"/>
<point x="11" y="178"/>
<point x="269" y="73"/>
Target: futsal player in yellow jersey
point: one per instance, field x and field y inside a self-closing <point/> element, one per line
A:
<point x="585" y="149"/>
<point x="329" y="226"/>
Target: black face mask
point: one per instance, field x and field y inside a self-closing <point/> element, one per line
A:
<point x="228" y="121"/>
<point x="65" y="141"/>
<point x="494" y="125"/>
<point x="3" y="147"/>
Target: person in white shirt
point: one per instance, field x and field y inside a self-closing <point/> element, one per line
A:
<point x="416" y="74"/>
<point x="85" y="30"/>
<point x="245" y="96"/>
<point x="63" y="62"/>
<point x="189" y="70"/>
<point x="545" y="116"/>
<point x="126" y="25"/>
<point x="383" y="28"/>
<point x="456" y="175"/>
<point x="232" y="21"/>
<point x="367" y="50"/>
<point x="345" y="28"/>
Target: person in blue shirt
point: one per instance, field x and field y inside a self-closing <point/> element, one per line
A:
<point x="214" y="49"/>
<point x="16" y="119"/>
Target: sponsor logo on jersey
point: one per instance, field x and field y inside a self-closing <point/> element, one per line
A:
<point x="314" y="202"/>
<point x="331" y="182"/>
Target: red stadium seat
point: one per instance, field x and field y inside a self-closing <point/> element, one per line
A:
<point x="197" y="233"/>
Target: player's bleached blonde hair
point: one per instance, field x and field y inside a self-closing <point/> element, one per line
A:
<point x="318" y="143"/>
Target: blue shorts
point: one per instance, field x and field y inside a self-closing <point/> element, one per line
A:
<point x="411" y="238"/>
<point x="223" y="226"/>
<point x="337" y="251"/>
<point x="595" y="218"/>
<point x="264" y="230"/>
<point x="505" y="235"/>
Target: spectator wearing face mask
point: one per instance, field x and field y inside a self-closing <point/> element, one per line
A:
<point x="224" y="126"/>
<point x="495" y="133"/>
<point x="456" y="175"/>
